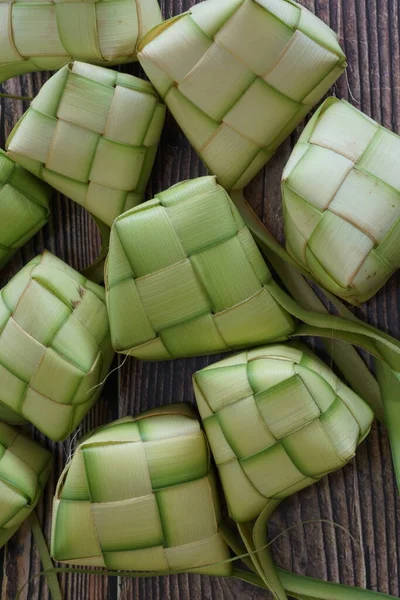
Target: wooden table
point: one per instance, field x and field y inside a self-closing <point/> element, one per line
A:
<point x="361" y="498"/>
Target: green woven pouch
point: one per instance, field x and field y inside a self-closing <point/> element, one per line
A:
<point x="43" y="35"/>
<point x="239" y="75"/>
<point x="24" y="469"/>
<point x="139" y="495"/>
<point x="277" y="420"/>
<point x="92" y="133"/>
<point x="341" y="197"/>
<point x="54" y="346"/>
<point x="24" y="207"/>
<point x="184" y="277"/>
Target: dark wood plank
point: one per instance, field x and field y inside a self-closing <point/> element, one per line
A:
<point x="362" y="498"/>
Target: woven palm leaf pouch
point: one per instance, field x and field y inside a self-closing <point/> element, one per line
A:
<point x="238" y="76"/>
<point x="55" y="346"/>
<point x="341" y="199"/>
<point x="184" y="277"/>
<point x="277" y="419"/>
<point x="24" y="206"/>
<point x="24" y="470"/>
<point x="92" y="133"/>
<point x="139" y="494"/>
<point x="45" y="35"/>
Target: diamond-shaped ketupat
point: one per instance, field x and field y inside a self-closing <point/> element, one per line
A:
<point x="55" y="347"/>
<point x="341" y="199"/>
<point x="239" y="75"/>
<point x="24" y="469"/>
<point x="139" y="494"/>
<point x="277" y="420"/>
<point x="24" y="206"/>
<point x="184" y="277"/>
<point x="92" y="133"/>
<point x="44" y="35"/>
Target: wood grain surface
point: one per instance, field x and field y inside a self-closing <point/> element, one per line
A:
<point x="361" y="498"/>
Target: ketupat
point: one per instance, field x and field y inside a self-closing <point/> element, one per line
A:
<point x="46" y="35"/>
<point x="92" y="133"/>
<point x="171" y="277"/>
<point x="239" y="75"/>
<point x="24" y="206"/>
<point x="277" y="420"/>
<point x="139" y="494"/>
<point x="55" y="346"/>
<point x="184" y="277"/>
<point x="24" y="469"/>
<point x="341" y="199"/>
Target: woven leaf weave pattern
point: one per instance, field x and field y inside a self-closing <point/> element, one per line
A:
<point x="235" y="99"/>
<point x="24" y="469"/>
<point x="43" y="35"/>
<point x="92" y="133"/>
<point x="60" y="320"/>
<point x="341" y="191"/>
<point x="132" y="500"/>
<point x="24" y="207"/>
<point x="277" y="420"/>
<point x="184" y="277"/>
